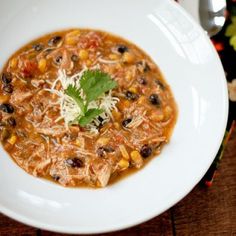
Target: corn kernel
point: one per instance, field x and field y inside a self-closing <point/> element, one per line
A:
<point x="116" y="114"/>
<point x="3" y="98"/>
<point x="128" y="76"/>
<point x="157" y="117"/>
<point x="73" y="33"/>
<point x="134" y="155"/>
<point x="70" y="40"/>
<point x="167" y="112"/>
<point x="12" y="139"/>
<point x="128" y="57"/>
<point x="88" y="62"/>
<point x="124" y="152"/>
<point x="133" y="90"/>
<point x="142" y="100"/>
<point x="103" y="141"/>
<point x="78" y="143"/>
<point x="136" y="159"/>
<point x="123" y="164"/>
<point x="71" y="37"/>
<point x="117" y="125"/>
<point x="13" y="63"/>
<point x="113" y="57"/>
<point x="160" y="117"/>
<point x="83" y="54"/>
<point x="42" y="64"/>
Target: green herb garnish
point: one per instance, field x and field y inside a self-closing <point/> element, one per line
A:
<point x="89" y="116"/>
<point x="74" y="93"/>
<point x="93" y="84"/>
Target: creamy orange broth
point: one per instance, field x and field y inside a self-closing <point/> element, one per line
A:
<point x="43" y="146"/>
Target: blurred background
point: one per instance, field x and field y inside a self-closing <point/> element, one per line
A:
<point x="218" y="19"/>
<point x="224" y="40"/>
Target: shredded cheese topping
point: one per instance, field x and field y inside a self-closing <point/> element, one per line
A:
<point x="69" y="110"/>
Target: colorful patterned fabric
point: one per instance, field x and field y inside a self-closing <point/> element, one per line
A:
<point x="225" y="44"/>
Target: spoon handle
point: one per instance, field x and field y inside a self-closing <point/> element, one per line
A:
<point x="210" y="14"/>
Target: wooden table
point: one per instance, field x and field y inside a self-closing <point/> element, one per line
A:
<point x="205" y="211"/>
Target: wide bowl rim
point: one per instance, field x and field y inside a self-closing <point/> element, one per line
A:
<point x="189" y="187"/>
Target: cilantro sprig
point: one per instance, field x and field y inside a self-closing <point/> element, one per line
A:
<point x="74" y="93"/>
<point x="93" y="84"/>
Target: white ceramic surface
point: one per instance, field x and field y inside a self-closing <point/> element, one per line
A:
<point x="189" y="64"/>
<point x="192" y="7"/>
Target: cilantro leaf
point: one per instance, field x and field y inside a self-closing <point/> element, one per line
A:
<point x="94" y="83"/>
<point x="89" y="116"/>
<point x="74" y="93"/>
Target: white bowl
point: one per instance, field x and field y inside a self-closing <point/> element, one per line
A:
<point x="192" y="68"/>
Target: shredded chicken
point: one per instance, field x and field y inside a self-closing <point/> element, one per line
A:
<point x="40" y="121"/>
<point x="102" y="171"/>
<point x="20" y="95"/>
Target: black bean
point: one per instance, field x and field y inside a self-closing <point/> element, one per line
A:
<point x="105" y="149"/>
<point x="74" y="162"/>
<point x="126" y="122"/>
<point x="8" y="88"/>
<point x="143" y="65"/>
<point x="74" y="58"/>
<point x="131" y="96"/>
<point x="100" y="152"/>
<point x="54" y="41"/>
<point x="160" y="84"/>
<point x="38" y="47"/>
<point x="56" y="177"/>
<point x="146" y="151"/>
<point x="108" y="149"/>
<point x="6" y="78"/>
<point x="122" y="48"/>
<point x="11" y="121"/>
<point x="58" y="60"/>
<point x="154" y="99"/>
<point x="48" y="51"/>
<point x="8" y="108"/>
<point x="100" y="119"/>
<point x="142" y="80"/>
<point x="146" y="67"/>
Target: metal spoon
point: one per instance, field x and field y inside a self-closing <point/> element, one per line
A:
<point x="212" y="15"/>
